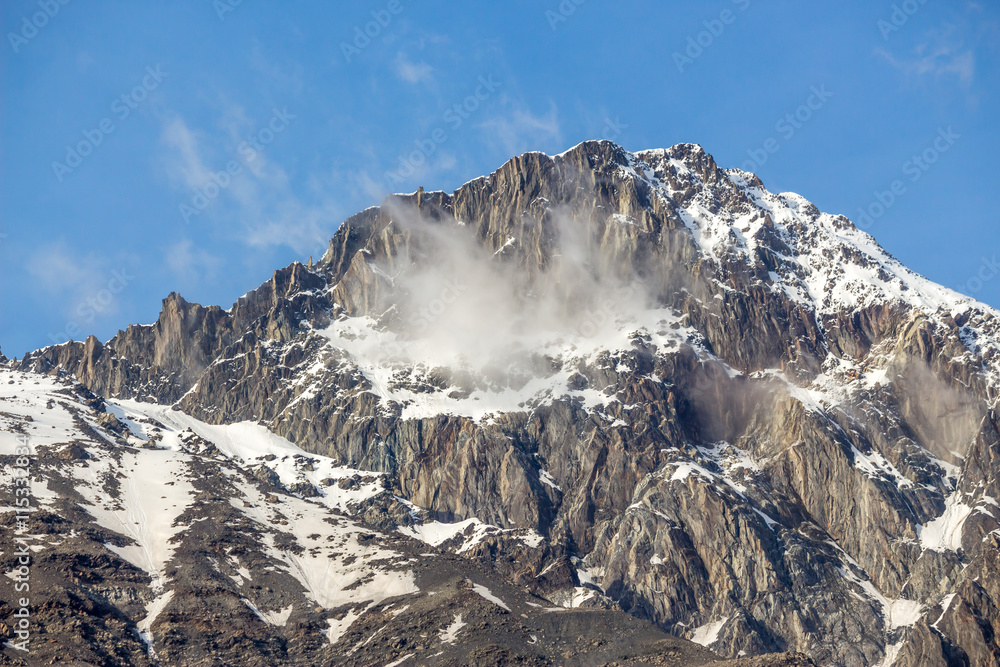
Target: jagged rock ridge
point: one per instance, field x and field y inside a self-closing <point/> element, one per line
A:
<point x="756" y="428"/>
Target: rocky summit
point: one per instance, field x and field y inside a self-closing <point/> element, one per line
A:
<point x="601" y="408"/>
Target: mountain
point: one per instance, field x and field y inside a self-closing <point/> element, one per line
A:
<point x="160" y="539"/>
<point x="633" y="386"/>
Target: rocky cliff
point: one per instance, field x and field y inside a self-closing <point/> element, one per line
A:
<point x="157" y="539"/>
<point x="721" y="411"/>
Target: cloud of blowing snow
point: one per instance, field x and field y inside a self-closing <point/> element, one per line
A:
<point x="454" y="301"/>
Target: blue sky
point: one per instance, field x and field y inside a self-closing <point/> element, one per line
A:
<point x="196" y="146"/>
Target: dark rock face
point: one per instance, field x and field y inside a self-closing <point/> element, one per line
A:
<point x="156" y="362"/>
<point x="789" y="446"/>
<point x="163" y="552"/>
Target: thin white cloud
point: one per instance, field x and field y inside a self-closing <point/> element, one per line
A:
<point x="259" y="205"/>
<point x="519" y="129"/>
<point x="233" y="120"/>
<point x="412" y="72"/>
<point x="185" y="162"/>
<point x="57" y="270"/>
<point x="305" y="229"/>
<point x="190" y="263"/>
<point x="446" y="161"/>
<point x="83" y="287"/>
<point x="364" y="182"/>
<point x="942" y="54"/>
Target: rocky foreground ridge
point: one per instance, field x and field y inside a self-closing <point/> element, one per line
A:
<point x="602" y="382"/>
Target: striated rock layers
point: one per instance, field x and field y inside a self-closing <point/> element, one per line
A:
<point x="725" y="412"/>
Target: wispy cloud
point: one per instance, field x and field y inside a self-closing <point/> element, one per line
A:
<point x="190" y="263"/>
<point x="942" y="54"/>
<point x="519" y="129"/>
<point x="185" y="161"/>
<point x="364" y="181"/>
<point x="83" y="287"/>
<point x="259" y="204"/>
<point x="412" y="72"/>
<point x="58" y="270"/>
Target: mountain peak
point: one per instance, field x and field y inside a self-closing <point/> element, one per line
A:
<point x="603" y="376"/>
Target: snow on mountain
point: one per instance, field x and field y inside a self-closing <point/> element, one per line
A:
<point x="831" y="265"/>
<point x="616" y="380"/>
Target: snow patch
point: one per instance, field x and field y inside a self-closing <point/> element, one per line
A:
<point x="277" y="618"/>
<point x="485" y="593"/>
<point x="708" y="633"/>
<point x="945" y="532"/>
<point x="336" y="628"/>
<point x="153" y="610"/>
<point x="449" y="634"/>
